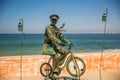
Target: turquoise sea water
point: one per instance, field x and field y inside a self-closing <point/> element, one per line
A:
<point x="10" y="44"/>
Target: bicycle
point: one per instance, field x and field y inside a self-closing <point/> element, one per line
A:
<point x="75" y="66"/>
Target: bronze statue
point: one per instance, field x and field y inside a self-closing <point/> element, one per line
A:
<point x="53" y="42"/>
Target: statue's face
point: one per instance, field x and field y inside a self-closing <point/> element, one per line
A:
<point x="53" y="21"/>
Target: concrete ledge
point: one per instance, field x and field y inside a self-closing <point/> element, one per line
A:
<point x="10" y="66"/>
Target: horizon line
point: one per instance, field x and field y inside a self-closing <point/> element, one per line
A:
<point x="66" y="33"/>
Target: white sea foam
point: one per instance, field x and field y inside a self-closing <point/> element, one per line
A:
<point x="112" y="50"/>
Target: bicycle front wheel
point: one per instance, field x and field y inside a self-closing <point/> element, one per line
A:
<point x="45" y="69"/>
<point x="70" y="66"/>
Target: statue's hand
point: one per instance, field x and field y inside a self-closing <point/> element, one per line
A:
<point x="62" y="44"/>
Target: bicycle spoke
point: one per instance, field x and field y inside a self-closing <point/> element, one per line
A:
<point x="77" y="67"/>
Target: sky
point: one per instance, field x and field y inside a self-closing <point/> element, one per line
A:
<point x="79" y="16"/>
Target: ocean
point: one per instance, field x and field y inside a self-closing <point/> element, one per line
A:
<point x="10" y="44"/>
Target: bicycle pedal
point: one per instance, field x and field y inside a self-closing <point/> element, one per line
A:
<point x="47" y="78"/>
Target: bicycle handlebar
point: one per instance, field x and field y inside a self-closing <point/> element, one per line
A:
<point x="70" y="47"/>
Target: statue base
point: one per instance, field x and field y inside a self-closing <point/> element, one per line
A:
<point x="61" y="78"/>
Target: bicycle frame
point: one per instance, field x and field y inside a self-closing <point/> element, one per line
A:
<point x="69" y="55"/>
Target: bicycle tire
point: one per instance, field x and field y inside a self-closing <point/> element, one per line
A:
<point x="70" y="71"/>
<point x="47" y="68"/>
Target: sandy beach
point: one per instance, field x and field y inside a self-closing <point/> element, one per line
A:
<point x="10" y="70"/>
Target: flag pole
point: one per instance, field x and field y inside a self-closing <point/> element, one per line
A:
<point x="104" y="19"/>
<point x="20" y="28"/>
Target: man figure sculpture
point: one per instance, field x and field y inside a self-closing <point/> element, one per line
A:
<point x="53" y="42"/>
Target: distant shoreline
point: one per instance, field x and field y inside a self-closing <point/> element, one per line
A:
<point x="80" y="53"/>
<point x="76" y="52"/>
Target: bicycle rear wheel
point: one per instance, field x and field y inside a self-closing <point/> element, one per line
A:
<point x="45" y="69"/>
<point x="70" y="66"/>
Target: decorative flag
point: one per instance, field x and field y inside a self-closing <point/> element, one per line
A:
<point x="104" y="17"/>
<point x="20" y="25"/>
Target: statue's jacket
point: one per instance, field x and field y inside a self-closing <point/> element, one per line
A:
<point x="52" y="40"/>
